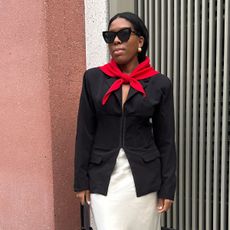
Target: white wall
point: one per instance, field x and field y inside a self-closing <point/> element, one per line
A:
<point x="96" y="20"/>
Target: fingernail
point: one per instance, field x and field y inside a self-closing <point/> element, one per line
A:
<point x="160" y="207"/>
<point x="88" y="202"/>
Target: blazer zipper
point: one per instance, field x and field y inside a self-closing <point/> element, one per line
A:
<point x="122" y="136"/>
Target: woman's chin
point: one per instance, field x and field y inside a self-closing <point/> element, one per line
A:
<point x="120" y="60"/>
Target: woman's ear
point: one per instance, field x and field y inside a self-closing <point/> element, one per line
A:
<point x="141" y="41"/>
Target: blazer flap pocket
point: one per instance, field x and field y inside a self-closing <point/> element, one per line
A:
<point x="96" y="159"/>
<point x="150" y="156"/>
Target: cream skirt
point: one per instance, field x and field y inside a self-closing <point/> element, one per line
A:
<point x="121" y="209"/>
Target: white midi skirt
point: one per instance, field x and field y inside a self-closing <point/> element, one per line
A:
<point x="121" y="209"/>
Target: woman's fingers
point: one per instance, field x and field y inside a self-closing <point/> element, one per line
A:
<point x="167" y="204"/>
<point x="87" y="196"/>
<point x="164" y="205"/>
<point x="82" y="199"/>
<point x="160" y="204"/>
<point x="83" y="196"/>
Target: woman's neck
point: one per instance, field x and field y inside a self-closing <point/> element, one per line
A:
<point x="128" y="68"/>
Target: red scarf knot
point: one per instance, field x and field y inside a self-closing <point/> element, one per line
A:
<point x="127" y="80"/>
<point x="142" y="71"/>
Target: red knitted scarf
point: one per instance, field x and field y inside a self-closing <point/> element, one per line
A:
<point x="142" y="71"/>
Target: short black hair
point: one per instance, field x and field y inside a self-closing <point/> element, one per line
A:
<point x="139" y="27"/>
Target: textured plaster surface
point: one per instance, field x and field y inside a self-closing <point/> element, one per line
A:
<point x="26" y="180"/>
<point x="41" y="67"/>
<point x="96" y="21"/>
<point x="66" y="61"/>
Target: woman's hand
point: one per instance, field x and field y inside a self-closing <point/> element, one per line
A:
<point x="83" y="196"/>
<point x="164" y="205"/>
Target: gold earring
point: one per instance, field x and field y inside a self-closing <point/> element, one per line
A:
<point x="139" y="49"/>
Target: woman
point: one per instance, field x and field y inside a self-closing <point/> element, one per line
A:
<point x="125" y="152"/>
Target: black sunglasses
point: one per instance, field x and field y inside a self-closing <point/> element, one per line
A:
<point x="123" y="35"/>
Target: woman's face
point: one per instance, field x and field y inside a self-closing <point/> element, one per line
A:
<point x="124" y="52"/>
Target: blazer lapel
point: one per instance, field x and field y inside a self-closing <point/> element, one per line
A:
<point x="133" y="92"/>
<point x="117" y="93"/>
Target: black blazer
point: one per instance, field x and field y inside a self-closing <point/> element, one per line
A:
<point x="144" y="129"/>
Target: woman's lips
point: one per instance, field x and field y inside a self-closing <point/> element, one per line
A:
<point x="118" y="51"/>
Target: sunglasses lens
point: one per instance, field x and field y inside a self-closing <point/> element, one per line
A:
<point x="109" y="36"/>
<point x="124" y="34"/>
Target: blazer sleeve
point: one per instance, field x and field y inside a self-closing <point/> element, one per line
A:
<point x="86" y="126"/>
<point x="163" y="128"/>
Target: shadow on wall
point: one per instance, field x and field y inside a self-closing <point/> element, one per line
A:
<point x="66" y="60"/>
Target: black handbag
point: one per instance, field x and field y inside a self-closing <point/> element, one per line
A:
<point x="85" y="217"/>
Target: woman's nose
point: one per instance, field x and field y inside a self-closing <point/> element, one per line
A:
<point x="116" y="41"/>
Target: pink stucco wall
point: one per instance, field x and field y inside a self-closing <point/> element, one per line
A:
<point x="66" y="58"/>
<point x="41" y="64"/>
